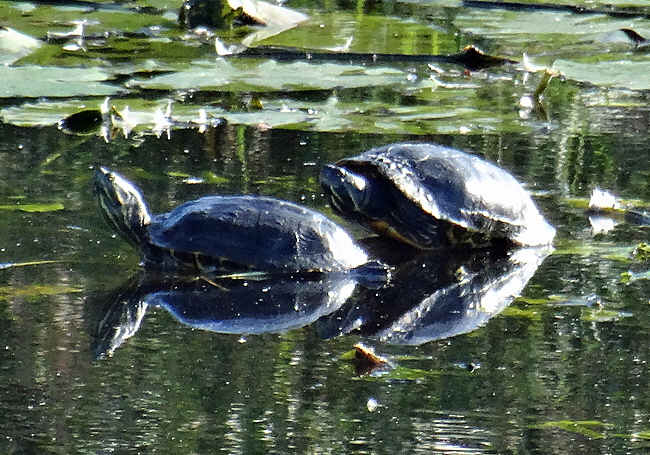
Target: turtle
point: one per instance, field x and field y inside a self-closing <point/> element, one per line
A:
<point x="224" y="234"/>
<point x="431" y="196"/>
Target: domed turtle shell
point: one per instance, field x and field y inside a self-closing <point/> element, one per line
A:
<point x="430" y="196"/>
<point x="260" y="233"/>
<point x="231" y="234"/>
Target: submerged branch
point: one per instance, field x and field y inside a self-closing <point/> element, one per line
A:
<point x="471" y="58"/>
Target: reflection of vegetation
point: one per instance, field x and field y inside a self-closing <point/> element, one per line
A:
<point x="591" y="429"/>
<point x="35" y="291"/>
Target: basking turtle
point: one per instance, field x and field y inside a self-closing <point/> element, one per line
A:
<point x="431" y="196"/>
<point x="230" y="234"/>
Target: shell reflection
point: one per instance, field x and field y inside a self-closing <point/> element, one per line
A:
<point x="433" y="296"/>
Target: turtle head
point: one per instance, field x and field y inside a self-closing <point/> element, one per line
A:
<point x="121" y="205"/>
<point x="353" y="195"/>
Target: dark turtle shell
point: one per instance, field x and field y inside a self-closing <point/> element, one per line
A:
<point x="232" y="234"/>
<point x="259" y="233"/>
<point x="429" y="196"/>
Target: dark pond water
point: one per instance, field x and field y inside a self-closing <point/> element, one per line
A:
<point x="563" y="366"/>
<point x="527" y="352"/>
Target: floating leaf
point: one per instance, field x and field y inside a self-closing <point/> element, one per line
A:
<point x="14" y="45"/>
<point x="34" y="207"/>
<point x="628" y="74"/>
<point x="37" y="81"/>
<point x="271" y="75"/>
<point x="268" y="14"/>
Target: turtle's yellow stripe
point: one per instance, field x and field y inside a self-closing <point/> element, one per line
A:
<point x="383" y="228"/>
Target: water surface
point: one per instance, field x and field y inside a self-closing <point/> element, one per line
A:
<point x="561" y="368"/>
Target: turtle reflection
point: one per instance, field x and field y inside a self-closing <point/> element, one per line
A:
<point x="236" y="306"/>
<point x="432" y="296"/>
<point x="438" y="295"/>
